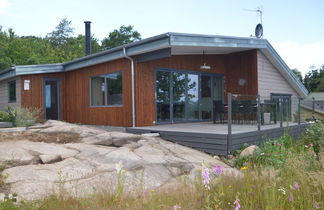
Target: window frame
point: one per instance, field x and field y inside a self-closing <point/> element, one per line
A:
<point x="9" y="99"/>
<point x="105" y="94"/>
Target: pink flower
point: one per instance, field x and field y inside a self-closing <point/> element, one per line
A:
<point x="296" y="186"/>
<point x="291" y="198"/>
<point x="218" y="169"/>
<point x="205" y="176"/>
<point x="176" y="207"/>
<point x="237" y="204"/>
<point x="316" y="205"/>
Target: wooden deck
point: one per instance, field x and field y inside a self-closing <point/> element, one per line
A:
<point x="214" y="138"/>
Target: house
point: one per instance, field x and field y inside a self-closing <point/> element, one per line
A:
<point x="169" y="78"/>
<point x="313" y="100"/>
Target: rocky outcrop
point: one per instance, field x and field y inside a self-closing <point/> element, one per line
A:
<point x="36" y="169"/>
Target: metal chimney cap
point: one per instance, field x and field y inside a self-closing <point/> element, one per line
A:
<point x="87" y="21"/>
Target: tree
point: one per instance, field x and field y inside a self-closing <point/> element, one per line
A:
<point x="298" y="74"/>
<point x="313" y="78"/>
<point x="124" y="35"/>
<point x="62" y="32"/>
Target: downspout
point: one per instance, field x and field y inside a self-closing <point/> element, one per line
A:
<point x="133" y="86"/>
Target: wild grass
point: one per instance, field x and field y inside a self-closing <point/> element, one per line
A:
<point x="292" y="177"/>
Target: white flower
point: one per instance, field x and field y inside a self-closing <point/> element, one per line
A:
<point x="118" y="166"/>
<point x="282" y="190"/>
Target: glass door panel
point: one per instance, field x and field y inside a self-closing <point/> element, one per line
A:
<point x="51" y="100"/>
<point x="193" y="96"/>
<point x="206" y="97"/>
<point x="163" y="96"/>
<point x="179" y="86"/>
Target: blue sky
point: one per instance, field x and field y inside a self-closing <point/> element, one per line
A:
<point x="294" y="28"/>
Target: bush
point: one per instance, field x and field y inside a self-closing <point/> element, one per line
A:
<point x="22" y="117"/>
<point x="314" y="136"/>
<point x="4" y="117"/>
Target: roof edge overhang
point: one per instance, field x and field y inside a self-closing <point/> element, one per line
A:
<point x="163" y="41"/>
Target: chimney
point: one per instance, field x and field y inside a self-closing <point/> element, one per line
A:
<point x="87" y="38"/>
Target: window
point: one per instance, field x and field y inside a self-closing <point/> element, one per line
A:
<point x="107" y="90"/>
<point x="12" y="91"/>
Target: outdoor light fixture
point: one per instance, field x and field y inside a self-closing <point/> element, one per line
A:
<point x="204" y="66"/>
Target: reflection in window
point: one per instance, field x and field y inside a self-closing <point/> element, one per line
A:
<point x="106" y="90"/>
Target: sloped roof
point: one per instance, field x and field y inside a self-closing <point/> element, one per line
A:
<point x="179" y="43"/>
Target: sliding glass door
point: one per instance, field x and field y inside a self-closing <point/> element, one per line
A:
<point x="186" y="96"/>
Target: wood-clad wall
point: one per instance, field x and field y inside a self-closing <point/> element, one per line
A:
<point x="75" y="95"/>
<point x="34" y="97"/>
<point x="75" y="86"/>
<point x="233" y="66"/>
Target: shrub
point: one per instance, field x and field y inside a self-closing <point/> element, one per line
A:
<point x="314" y="136"/>
<point x="21" y="117"/>
<point x="4" y="117"/>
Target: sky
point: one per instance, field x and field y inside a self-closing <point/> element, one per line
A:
<point x="293" y="27"/>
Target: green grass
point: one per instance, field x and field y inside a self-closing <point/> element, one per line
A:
<point x="291" y="177"/>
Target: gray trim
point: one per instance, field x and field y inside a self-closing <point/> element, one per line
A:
<point x="158" y="54"/>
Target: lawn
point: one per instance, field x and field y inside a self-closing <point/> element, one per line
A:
<point x="284" y="175"/>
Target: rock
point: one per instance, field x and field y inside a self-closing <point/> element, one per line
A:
<point x="151" y="134"/>
<point x="47" y="159"/>
<point x="249" y="151"/>
<point x="119" y="139"/>
<point x="84" y="168"/>
<point x="100" y="139"/>
<point x="10" y="130"/>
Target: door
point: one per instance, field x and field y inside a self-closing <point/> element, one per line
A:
<point x="51" y="99"/>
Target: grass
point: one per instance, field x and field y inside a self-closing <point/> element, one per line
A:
<point x="290" y="176"/>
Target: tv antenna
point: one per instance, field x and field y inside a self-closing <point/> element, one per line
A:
<point x="258" y="28"/>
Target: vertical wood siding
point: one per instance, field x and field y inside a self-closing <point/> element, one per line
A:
<point x="233" y="66"/>
<point x="75" y="86"/>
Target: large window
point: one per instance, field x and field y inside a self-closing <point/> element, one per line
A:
<point x="107" y="90"/>
<point x="12" y="91"/>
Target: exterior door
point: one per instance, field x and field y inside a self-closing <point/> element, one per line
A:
<point x="51" y="99"/>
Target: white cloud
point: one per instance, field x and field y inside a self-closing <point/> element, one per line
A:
<point x="4" y="4"/>
<point x="301" y="56"/>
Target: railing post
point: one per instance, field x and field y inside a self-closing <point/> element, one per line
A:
<point x="313" y="108"/>
<point x="229" y="123"/>
<point x="298" y="110"/>
<point x="281" y="111"/>
<point x="259" y="112"/>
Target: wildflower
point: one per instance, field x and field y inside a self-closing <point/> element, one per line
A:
<point x="306" y="146"/>
<point x="218" y="169"/>
<point x="262" y="153"/>
<point x="291" y="198"/>
<point x="205" y="176"/>
<point x="316" y="205"/>
<point x="237" y="204"/>
<point x="296" y="186"/>
<point x="244" y="168"/>
<point x="282" y="190"/>
<point x="279" y="145"/>
<point x="310" y="145"/>
<point x="118" y="167"/>
<point x="175" y="207"/>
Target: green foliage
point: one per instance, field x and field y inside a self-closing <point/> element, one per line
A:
<point x="58" y="46"/>
<point x="298" y="74"/>
<point x="124" y="35"/>
<point x="314" y="137"/>
<point x="22" y="117"/>
<point x="4" y="117"/>
<point x="313" y="78"/>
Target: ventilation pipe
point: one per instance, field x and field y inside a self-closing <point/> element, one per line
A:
<point x="87" y="38"/>
<point x="133" y="87"/>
